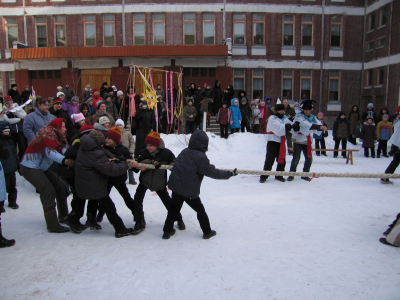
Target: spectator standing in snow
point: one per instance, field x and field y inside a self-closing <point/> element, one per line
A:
<point x="26" y="93"/>
<point x="190" y="113"/>
<point x="111" y="108"/>
<point x="3" y="196"/>
<point x="320" y="139"/>
<point x="265" y="113"/>
<point x="228" y="93"/>
<point x="223" y="119"/>
<point x="369" y="113"/>
<point x="383" y="134"/>
<point x="236" y="116"/>
<point x="68" y="92"/>
<point x="355" y="124"/>
<point x="341" y="132"/>
<point x="14" y="94"/>
<point x="246" y="113"/>
<point x="190" y="167"/>
<point x="255" y="118"/>
<point x="368" y="136"/>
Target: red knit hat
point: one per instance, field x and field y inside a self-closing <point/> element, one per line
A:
<point x="85" y="128"/>
<point x="7" y="99"/>
<point x="95" y="89"/>
<point x="115" y="134"/>
<point x="57" y="100"/>
<point x="153" y="138"/>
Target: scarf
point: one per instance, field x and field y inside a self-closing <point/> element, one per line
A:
<point x="50" y="137"/>
<point x="101" y="114"/>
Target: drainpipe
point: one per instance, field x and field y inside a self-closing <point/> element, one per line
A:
<point x="321" y="69"/>
<point x="389" y="43"/>
<point x="224" y="21"/>
<point x="25" y="28"/>
<point x="363" y="55"/>
<point x="123" y="23"/>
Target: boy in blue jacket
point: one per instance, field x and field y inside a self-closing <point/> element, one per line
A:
<point x="190" y="167"/>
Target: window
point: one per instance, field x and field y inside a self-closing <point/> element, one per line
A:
<point x="381" y="42"/>
<point x="59" y="26"/>
<point x="203" y="72"/>
<point x="336" y="31"/>
<point x="305" y="84"/>
<point x="41" y="32"/>
<point x="288" y="29"/>
<point x="189" y="29"/>
<point x="370" y="75"/>
<point x="370" y="45"/>
<point x="307" y="31"/>
<point x="381" y="76"/>
<point x="238" y="79"/>
<point x="208" y="29"/>
<point x="12" y="77"/>
<point x="90" y="30"/>
<point x="139" y="29"/>
<point x="109" y="32"/>
<point x="12" y="31"/>
<point x="258" y="84"/>
<point x="238" y="29"/>
<point x="383" y="16"/>
<point x="334" y="85"/>
<point x="158" y="29"/>
<point x="371" y="22"/>
<point x="287" y="84"/>
<point x="258" y="29"/>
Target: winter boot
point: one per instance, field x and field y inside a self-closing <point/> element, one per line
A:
<point x="52" y="223"/>
<point x="306" y="178"/>
<point x="386" y="181"/>
<point x="181" y="225"/>
<point x="100" y="216"/>
<point x="210" y="235"/>
<point x="62" y="209"/>
<point x="126" y="231"/>
<point x="73" y="224"/>
<point x="13" y="205"/>
<point x="378" y="156"/>
<point x="384" y="241"/>
<point x="290" y="178"/>
<point x="263" y="179"/>
<point x="2" y="210"/>
<point x="4" y="242"/>
<point x="91" y="222"/>
<point x="138" y="227"/>
<point x="167" y="235"/>
<point x="280" y="178"/>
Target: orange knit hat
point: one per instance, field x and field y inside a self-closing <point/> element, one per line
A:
<point x="115" y="134"/>
<point x="153" y="138"/>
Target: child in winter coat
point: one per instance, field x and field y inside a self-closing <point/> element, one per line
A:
<point x="224" y="119"/>
<point x="297" y="108"/>
<point x="383" y="133"/>
<point x="103" y="125"/>
<point x="368" y="135"/>
<point x="265" y="112"/>
<point x="341" y="132"/>
<point x="268" y="102"/>
<point x="10" y="162"/>
<point x="190" y="114"/>
<point x="320" y="139"/>
<point x="255" y="118"/>
<point x="236" y="116"/>
<point x="128" y="141"/>
<point x="73" y="106"/>
<point x="190" y="167"/>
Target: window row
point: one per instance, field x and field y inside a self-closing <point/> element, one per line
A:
<point x="189" y="30"/>
<point x="379" y="43"/>
<point x="382" y="19"/>
<point x="287" y="84"/>
<point x="379" y="80"/>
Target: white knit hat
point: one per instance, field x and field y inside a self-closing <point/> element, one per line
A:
<point x="77" y="117"/>
<point x="119" y="122"/>
<point x="120" y="93"/>
<point x="103" y="120"/>
<point x="60" y="94"/>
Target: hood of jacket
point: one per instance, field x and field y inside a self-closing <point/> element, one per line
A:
<point x="340" y="114"/>
<point x="233" y="102"/>
<point x="387" y="110"/>
<point x="198" y="141"/>
<point x="100" y="127"/>
<point x="240" y="93"/>
<point x="88" y="144"/>
<point x="355" y="105"/>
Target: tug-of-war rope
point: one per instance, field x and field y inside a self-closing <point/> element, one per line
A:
<point x="300" y="174"/>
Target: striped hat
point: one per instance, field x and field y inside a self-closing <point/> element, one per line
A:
<point x="153" y="138"/>
<point x="115" y="134"/>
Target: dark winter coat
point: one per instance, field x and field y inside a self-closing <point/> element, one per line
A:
<point x="112" y="109"/>
<point x="341" y="128"/>
<point x="63" y="170"/>
<point x="192" y="165"/>
<point x="145" y="122"/>
<point x="199" y="116"/>
<point x="14" y="95"/>
<point x="25" y="96"/>
<point x="289" y="111"/>
<point x="92" y="168"/>
<point x="155" y="179"/>
<point x="368" y="135"/>
<point x="8" y="155"/>
<point x="63" y="114"/>
<point x="122" y="153"/>
<point x="224" y="116"/>
<point x="369" y="113"/>
<point x="381" y="113"/>
<point x="354" y="119"/>
<point x="69" y="93"/>
<point x="199" y="94"/>
<point x="71" y="132"/>
<point x="188" y="111"/>
<point x="228" y="95"/>
<point x="246" y="112"/>
<point x="208" y="93"/>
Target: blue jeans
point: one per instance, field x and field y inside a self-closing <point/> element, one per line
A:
<point x="131" y="176"/>
<point x="297" y="149"/>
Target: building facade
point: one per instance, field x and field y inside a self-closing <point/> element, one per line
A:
<point x="337" y="52"/>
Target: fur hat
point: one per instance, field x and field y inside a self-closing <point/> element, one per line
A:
<point x="60" y="94"/>
<point x="115" y="134"/>
<point x="7" y="99"/>
<point x="57" y="100"/>
<point x="153" y="138"/>
<point x="86" y="128"/>
<point x="98" y="137"/>
<point x="103" y="120"/>
<point x="120" y="93"/>
<point x="279" y="106"/>
<point x="119" y="122"/>
<point x="308" y="104"/>
<point x="77" y="117"/>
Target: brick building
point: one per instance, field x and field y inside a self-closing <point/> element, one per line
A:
<point x="338" y="52"/>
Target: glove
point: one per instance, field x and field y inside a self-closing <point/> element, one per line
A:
<point x="234" y="173"/>
<point x="296" y="126"/>
<point x="288" y="127"/>
<point x="156" y="164"/>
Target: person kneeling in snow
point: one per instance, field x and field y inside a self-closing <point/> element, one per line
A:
<point x="189" y="169"/>
<point x="278" y="125"/>
<point x="153" y="179"/>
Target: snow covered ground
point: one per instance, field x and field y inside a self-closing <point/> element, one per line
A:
<point x="292" y="240"/>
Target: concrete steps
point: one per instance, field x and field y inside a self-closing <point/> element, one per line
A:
<point x="214" y="127"/>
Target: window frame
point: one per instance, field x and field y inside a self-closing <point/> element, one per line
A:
<point x="243" y="22"/>
<point x="293" y="30"/>
<point x="56" y="23"/>
<point x="312" y="29"/>
<point x="184" y="28"/>
<point x="379" y="40"/>
<point x="84" y="30"/>
<point x="104" y="30"/>
<point x="154" y="22"/>
<point x="139" y="21"/>
<point x="262" y="22"/>
<point x="368" y="49"/>
<point x="378" y="79"/>
<point x="252" y="82"/>
<point x="306" y="77"/>
<point x="36" y="31"/>
<point x="209" y="21"/>
<point x="381" y="16"/>
<point x="370" y="78"/>
<point x="286" y="77"/>
<point x="242" y="77"/>
<point x="334" y="23"/>
<point x="8" y="26"/>
<point x="339" y="84"/>
<point x="371" y="21"/>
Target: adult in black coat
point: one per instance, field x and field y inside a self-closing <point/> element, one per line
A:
<point x="228" y="94"/>
<point x="341" y="132"/>
<point x="103" y="89"/>
<point x="145" y="122"/>
<point x="58" y="112"/>
<point x="13" y="92"/>
<point x="92" y="169"/>
<point x="68" y="92"/>
<point x="25" y="94"/>
<point x="190" y="167"/>
<point x="247" y="113"/>
<point x="218" y="95"/>
<point x="192" y="89"/>
<point x="199" y="93"/>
